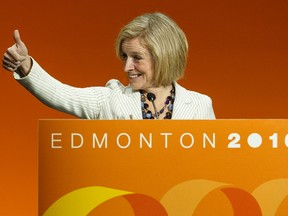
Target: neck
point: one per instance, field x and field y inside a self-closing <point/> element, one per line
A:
<point x="162" y="106"/>
<point x="160" y="92"/>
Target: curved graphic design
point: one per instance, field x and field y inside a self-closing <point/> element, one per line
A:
<point x="184" y="198"/>
<point x="181" y="200"/>
<point x="145" y="205"/>
<point x="270" y="195"/>
<point x="83" y="201"/>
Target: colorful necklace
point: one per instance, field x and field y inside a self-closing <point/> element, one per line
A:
<point x="147" y="114"/>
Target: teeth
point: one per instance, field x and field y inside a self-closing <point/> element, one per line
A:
<point x="134" y="75"/>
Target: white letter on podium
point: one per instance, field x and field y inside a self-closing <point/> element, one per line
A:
<point x="212" y="143"/>
<point x="149" y="144"/>
<point x="192" y="140"/>
<point x="72" y="140"/>
<point x="128" y="141"/>
<point x="55" y="140"/>
<point x="104" y="140"/>
<point x="166" y="139"/>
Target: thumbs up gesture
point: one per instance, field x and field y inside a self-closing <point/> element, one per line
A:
<point x="16" y="57"/>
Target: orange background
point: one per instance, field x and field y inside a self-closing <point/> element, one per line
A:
<point x="238" y="56"/>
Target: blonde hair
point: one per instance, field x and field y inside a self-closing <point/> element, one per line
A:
<point x="164" y="39"/>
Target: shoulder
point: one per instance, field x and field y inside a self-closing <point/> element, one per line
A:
<point x="192" y="105"/>
<point x="191" y="96"/>
<point x="116" y="86"/>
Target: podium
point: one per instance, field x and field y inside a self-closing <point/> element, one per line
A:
<point x="163" y="167"/>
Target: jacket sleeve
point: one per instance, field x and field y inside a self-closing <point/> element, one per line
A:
<point x="211" y="114"/>
<point x="84" y="103"/>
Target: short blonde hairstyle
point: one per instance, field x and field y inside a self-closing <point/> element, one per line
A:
<point x="166" y="42"/>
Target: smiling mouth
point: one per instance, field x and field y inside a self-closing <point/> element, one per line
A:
<point x="131" y="76"/>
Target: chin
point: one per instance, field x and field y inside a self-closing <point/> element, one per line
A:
<point x="135" y="87"/>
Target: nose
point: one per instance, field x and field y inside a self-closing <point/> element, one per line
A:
<point x="129" y="65"/>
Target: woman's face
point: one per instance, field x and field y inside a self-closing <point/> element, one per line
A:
<point x="138" y="64"/>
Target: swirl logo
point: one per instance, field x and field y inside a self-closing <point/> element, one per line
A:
<point x="181" y="200"/>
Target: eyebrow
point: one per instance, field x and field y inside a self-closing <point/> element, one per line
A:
<point x="137" y="53"/>
<point x="133" y="52"/>
<point x="142" y="54"/>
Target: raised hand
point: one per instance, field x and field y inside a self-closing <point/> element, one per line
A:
<point x="16" y="57"/>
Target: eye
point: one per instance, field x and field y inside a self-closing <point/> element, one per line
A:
<point x="137" y="57"/>
<point x="123" y="56"/>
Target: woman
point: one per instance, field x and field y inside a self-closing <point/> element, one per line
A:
<point x="153" y="50"/>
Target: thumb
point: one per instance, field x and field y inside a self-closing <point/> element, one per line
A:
<point x="21" y="49"/>
<point x="17" y="38"/>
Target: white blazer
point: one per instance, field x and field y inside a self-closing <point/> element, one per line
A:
<point x="114" y="101"/>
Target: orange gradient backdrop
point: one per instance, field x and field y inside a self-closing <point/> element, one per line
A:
<point x="238" y="56"/>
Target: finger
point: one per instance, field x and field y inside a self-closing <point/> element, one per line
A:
<point x="10" y="63"/>
<point x="9" y="67"/>
<point x="13" y="54"/>
<point x="17" y="38"/>
<point x="8" y="57"/>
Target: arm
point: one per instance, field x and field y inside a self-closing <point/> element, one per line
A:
<point x="85" y="103"/>
<point x="81" y="102"/>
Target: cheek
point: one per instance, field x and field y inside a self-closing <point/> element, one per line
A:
<point x="146" y="69"/>
<point x="151" y="72"/>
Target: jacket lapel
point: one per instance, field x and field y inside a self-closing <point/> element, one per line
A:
<point x="134" y="102"/>
<point x="184" y="107"/>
